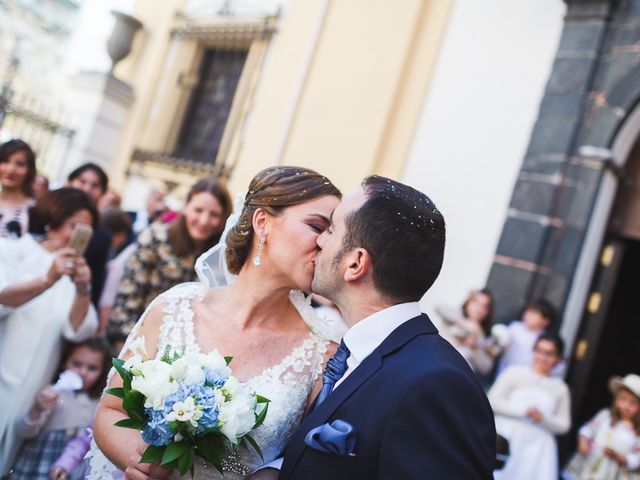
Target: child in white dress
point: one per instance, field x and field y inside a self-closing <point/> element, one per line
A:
<point x="531" y="407"/>
<point x="609" y="444"/>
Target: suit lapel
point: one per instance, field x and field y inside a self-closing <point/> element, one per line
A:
<point x="419" y="325"/>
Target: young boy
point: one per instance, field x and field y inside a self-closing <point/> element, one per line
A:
<point x="537" y="317"/>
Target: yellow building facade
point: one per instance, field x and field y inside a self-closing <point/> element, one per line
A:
<point x="334" y="85"/>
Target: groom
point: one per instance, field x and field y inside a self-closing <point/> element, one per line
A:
<point x="398" y="402"/>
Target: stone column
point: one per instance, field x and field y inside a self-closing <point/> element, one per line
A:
<point x="98" y="104"/>
<point x="553" y="196"/>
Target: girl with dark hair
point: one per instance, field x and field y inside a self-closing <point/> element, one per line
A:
<point x="261" y="319"/>
<point x="93" y="180"/>
<point x="165" y="254"/>
<point x="531" y="407"/>
<point x="469" y="330"/>
<point x="62" y="410"/>
<point x="17" y="171"/>
<point x="44" y="298"/>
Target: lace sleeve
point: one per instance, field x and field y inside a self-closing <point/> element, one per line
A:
<point x="176" y="325"/>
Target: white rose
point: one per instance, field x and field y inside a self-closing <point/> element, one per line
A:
<point x="237" y="416"/>
<point x="212" y="360"/>
<point x="154" y="382"/>
<point x="232" y="386"/>
<point x="186" y="370"/>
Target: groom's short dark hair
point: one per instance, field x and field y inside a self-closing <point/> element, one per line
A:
<point x="404" y="233"/>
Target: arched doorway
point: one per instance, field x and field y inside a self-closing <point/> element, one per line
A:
<point x="609" y="334"/>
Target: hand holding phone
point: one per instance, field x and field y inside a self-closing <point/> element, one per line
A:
<point x="80" y="238"/>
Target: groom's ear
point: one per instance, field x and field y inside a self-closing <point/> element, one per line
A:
<point x="260" y="221"/>
<point x="357" y="265"/>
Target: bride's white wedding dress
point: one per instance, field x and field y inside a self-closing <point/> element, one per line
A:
<point x="287" y="384"/>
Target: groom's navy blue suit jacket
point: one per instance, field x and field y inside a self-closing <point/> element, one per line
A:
<point x="418" y="410"/>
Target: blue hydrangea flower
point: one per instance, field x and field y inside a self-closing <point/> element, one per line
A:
<point x="157" y="431"/>
<point x="214" y="378"/>
<point x="203" y="396"/>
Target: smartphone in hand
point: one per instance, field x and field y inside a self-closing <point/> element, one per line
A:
<point x="80" y="238"/>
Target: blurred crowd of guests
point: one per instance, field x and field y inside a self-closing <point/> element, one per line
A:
<point x="64" y="313"/>
<point x="521" y="364"/>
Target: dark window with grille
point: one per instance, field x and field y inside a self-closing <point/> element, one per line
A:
<point x="210" y="103"/>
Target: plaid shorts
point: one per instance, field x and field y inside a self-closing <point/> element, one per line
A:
<point x="38" y="454"/>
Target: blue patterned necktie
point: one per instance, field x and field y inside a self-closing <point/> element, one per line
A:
<point x="336" y="366"/>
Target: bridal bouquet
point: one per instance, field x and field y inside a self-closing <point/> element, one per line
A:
<point x="186" y="405"/>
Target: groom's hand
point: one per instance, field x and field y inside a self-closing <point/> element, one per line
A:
<point x="264" y="474"/>
<point x="144" y="471"/>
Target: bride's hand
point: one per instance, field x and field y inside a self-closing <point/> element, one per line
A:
<point x="143" y="471"/>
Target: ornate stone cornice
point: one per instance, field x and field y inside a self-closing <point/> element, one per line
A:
<point x="225" y="31"/>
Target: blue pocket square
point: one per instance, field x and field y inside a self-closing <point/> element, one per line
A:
<point x="338" y="438"/>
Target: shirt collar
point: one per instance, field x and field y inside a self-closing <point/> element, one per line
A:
<point x="366" y="335"/>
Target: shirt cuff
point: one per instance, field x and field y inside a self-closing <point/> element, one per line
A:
<point x="275" y="464"/>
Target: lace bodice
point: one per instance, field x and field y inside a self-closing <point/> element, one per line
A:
<point x="287" y="384"/>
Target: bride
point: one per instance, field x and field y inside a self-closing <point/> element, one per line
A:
<point x="261" y="319"/>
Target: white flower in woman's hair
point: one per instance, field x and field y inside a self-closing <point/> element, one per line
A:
<point x="186" y="411"/>
<point x="154" y="382"/>
<point x="138" y="347"/>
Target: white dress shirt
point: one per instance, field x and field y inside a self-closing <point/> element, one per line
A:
<point x="369" y="333"/>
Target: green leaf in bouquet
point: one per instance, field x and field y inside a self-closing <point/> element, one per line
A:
<point x="130" y="423"/>
<point x="133" y="404"/>
<point x="185" y="461"/>
<point x="152" y="454"/>
<point x="174" y="451"/>
<point x="118" y="392"/>
<point x="254" y="444"/>
<point x="118" y="364"/>
<point x="169" y="356"/>
<point x="212" y="449"/>
<point x="228" y="360"/>
<point x="263" y="414"/>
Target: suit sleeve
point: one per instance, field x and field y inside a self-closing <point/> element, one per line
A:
<point x="440" y="427"/>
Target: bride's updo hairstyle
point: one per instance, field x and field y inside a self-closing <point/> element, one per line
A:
<point x="273" y="189"/>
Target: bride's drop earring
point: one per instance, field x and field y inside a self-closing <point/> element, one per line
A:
<point x="257" y="260"/>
